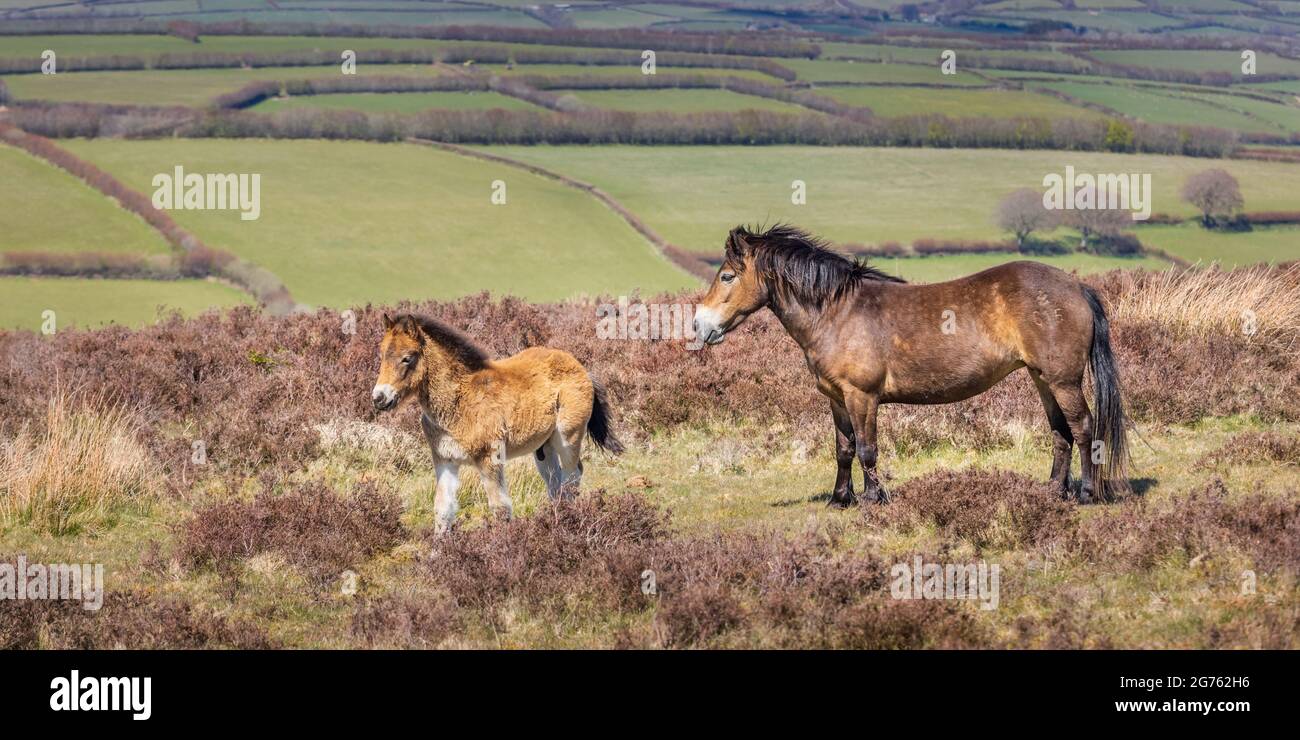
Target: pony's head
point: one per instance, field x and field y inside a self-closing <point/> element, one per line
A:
<point x="777" y="267"/>
<point x="737" y="290"/>
<point x="401" y="354"/>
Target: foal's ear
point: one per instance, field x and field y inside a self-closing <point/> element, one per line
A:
<point x="388" y="321"/>
<point x="408" y="326"/>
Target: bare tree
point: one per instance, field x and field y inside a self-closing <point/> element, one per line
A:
<point x="1215" y="193"/>
<point x="1022" y="213"/>
<point x="1102" y="222"/>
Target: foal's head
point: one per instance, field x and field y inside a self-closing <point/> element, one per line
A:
<point x="419" y="350"/>
<point x="401" y="353"/>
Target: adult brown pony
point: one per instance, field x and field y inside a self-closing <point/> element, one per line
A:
<point x="483" y="412"/>
<point x="870" y="338"/>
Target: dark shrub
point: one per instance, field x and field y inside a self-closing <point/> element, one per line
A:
<point x="1139" y="534"/>
<point x="989" y="508"/>
<point x="132" y="620"/>
<point x="312" y="527"/>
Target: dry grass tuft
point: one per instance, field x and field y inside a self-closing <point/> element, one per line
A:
<point x="84" y="463"/>
<point x="1260" y="302"/>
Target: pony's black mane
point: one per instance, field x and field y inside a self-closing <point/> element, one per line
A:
<point x="460" y="346"/>
<point x="803" y="265"/>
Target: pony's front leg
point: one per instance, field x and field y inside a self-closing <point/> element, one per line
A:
<point x="845" y="449"/>
<point x="492" y="471"/>
<point x="862" y="408"/>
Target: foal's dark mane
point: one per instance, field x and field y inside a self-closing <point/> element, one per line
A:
<point x="803" y="265"/>
<point x="460" y="346"/>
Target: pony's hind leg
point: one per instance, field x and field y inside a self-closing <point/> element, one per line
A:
<point x="845" y="451"/>
<point x="1062" y="437"/>
<point x="1074" y="406"/>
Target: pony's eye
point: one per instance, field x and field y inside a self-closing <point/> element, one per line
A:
<point x="727" y="277"/>
<point x="408" y="359"/>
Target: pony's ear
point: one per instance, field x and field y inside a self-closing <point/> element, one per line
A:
<point x="737" y="247"/>
<point x="388" y="321"/>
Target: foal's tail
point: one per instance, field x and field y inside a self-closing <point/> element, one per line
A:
<point x="599" y="424"/>
<point x="1110" y="426"/>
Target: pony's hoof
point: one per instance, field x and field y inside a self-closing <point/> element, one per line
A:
<point x="841" y="502"/>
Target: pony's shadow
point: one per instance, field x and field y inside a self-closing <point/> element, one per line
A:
<point x="1140" y="486"/>
<point x="787" y="503"/>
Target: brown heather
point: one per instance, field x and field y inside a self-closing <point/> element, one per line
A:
<point x="311" y="527"/>
<point x="1247" y="448"/>
<point x="989" y="508"/>
<point x="254" y="388"/>
<point x="1138" y="535"/>
<point x="130" y="619"/>
<point x="583" y="561"/>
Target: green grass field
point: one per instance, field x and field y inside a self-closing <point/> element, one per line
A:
<point x="1199" y="60"/>
<point x="907" y="101"/>
<point x="343" y="223"/>
<point x="620" y="70"/>
<point x="397" y="102"/>
<point x="933" y="269"/>
<point x="192" y="87"/>
<point x="46" y="209"/>
<point x="681" y="101"/>
<point x="1154" y="107"/>
<point x="692" y="195"/>
<point x="1191" y="242"/>
<point x="85" y="303"/>
<point x="818" y="70"/>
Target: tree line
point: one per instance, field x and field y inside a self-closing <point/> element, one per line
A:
<point x="721" y="42"/>
<point x="598" y="126"/>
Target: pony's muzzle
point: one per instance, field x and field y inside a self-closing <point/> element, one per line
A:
<point x="707" y="327"/>
<point x="384" y="397"/>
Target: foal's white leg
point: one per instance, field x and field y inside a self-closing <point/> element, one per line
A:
<point x="493" y="474"/>
<point x="445" y="503"/>
<point x="548" y="465"/>
<point x="569" y="454"/>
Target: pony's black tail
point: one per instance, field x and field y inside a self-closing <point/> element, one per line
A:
<point x="599" y="424"/>
<point x="1110" y="426"/>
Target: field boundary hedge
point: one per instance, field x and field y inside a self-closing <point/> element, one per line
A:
<point x="195" y="258"/>
<point x="385" y="57"/>
<point x="624" y="38"/>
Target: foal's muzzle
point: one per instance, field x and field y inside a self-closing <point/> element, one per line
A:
<point x="384" y="397"/>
